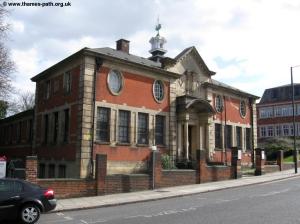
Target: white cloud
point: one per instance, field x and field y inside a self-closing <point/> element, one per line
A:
<point x="261" y="35"/>
<point x="17" y="26"/>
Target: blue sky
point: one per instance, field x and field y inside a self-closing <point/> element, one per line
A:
<point x="250" y="44"/>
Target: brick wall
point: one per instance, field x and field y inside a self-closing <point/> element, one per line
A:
<point x="133" y="84"/>
<point x="127" y="183"/>
<point x="69" y="188"/>
<point x="31" y="169"/>
<point x="110" y="184"/>
<point x="212" y="173"/>
<point x="171" y="178"/>
<point x="232" y="105"/>
<point x="272" y="168"/>
<point x="219" y="156"/>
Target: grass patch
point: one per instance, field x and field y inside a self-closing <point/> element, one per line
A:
<point x="288" y="159"/>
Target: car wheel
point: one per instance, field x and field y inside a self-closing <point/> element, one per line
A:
<point x="30" y="213"/>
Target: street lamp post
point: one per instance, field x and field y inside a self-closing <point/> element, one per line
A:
<point x="294" y="120"/>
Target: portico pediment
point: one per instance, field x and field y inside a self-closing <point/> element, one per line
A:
<point x="190" y="60"/>
<point x="187" y="103"/>
<point x="193" y="71"/>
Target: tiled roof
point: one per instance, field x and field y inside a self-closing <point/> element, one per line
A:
<point x="280" y="94"/>
<point x="125" y="56"/>
<point x="215" y="83"/>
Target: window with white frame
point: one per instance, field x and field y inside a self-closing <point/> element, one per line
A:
<point x="263" y="132"/>
<point x="270" y="131"/>
<point x="277" y="111"/>
<point x="287" y="110"/>
<point x="286" y="131"/>
<point x="297" y="109"/>
<point x="266" y="112"/>
<point x="278" y="130"/>
<point x="298" y="129"/>
<point x="291" y="129"/>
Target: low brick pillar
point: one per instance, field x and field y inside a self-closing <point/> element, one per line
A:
<point x="155" y="169"/>
<point x="280" y="159"/>
<point x="236" y="162"/>
<point x="31" y="172"/>
<point x="260" y="160"/>
<point x="201" y="165"/>
<point x="101" y="172"/>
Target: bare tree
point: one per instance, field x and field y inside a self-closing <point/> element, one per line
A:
<point x="7" y="66"/>
<point x="3" y="109"/>
<point x="23" y="101"/>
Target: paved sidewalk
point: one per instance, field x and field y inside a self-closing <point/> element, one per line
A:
<point x="150" y="195"/>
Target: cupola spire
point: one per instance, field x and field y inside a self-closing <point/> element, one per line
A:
<point x="157" y="45"/>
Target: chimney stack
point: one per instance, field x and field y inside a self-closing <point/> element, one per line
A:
<point x="123" y="45"/>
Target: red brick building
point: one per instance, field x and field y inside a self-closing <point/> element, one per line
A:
<point x="108" y="101"/>
<point x="275" y="112"/>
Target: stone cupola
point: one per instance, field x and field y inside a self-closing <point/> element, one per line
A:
<point x="157" y="45"/>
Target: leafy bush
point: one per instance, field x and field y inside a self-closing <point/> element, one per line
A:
<point x="273" y="145"/>
<point x="166" y="162"/>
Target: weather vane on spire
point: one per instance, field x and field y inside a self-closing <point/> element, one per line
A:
<point x="158" y="26"/>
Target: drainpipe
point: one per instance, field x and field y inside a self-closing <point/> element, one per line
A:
<point x="225" y="130"/>
<point x="98" y="64"/>
<point x="252" y="132"/>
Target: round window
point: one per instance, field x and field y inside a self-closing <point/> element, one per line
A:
<point x="219" y="103"/>
<point x="158" y="90"/>
<point x="115" y="81"/>
<point x="243" y="109"/>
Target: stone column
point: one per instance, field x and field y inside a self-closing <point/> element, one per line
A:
<point x="260" y="162"/>
<point x="86" y="111"/>
<point x="236" y="158"/>
<point x="280" y="159"/>
<point x="101" y="172"/>
<point x="179" y="141"/>
<point x="186" y="139"/>
<point x="31" y="169"/>
<point x="200" y="136"/>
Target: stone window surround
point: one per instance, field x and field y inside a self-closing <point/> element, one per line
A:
<point x="243" y="108"/>
<point x="114" y="108"/>
<point x="160" y="129"/>
<point x="211" y="92"/>
<point x="121" y="79"/>
<point x="98" y="120"/>
<point x="143" y="128"/>
<point x="219" y="103"/>
<point x="233" y="134"/>
<point x="157" y="81"/>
